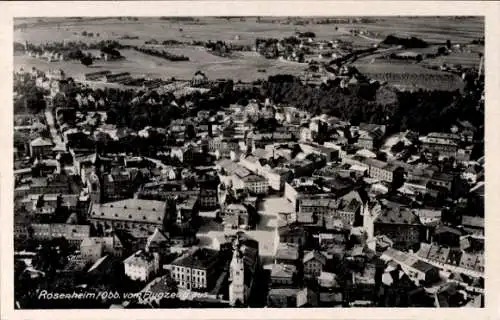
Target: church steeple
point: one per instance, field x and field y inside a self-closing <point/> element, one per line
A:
<point x="237" y="289"/>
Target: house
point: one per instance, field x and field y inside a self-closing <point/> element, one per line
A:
<point x="447" y="236"/>
<point x="158" y="242"/>
<point x="277" y="177"/>
<point x="255" y="184"/>
<point x="312" y="210"/>
<point x="287" y="253"/>
<point x="291" y="298"/>
<point x="473" y="224"/>
<point x="441" y="180"/>
<point x="382" y="170"/>
<point x="187" y="209"/>
<point x="74" y="234"/>
<point x="52" y="184"/>
<point x="291" y="233"/>
<point x="400" y="224"/>
<point x="93" y="248"/>
<point x="314" y="263"/>
<point x="208" y="198"/>
<point x="444" y="144"/>
<point x="40" y="147"/>
<point x="418" y="270"/>
<point x="283" y="274"/>
<point x="327" y="280"/>
<point x="472" y="261"/>
<point x="142" y="265"/>
<point x="236" y="215"/>
<point x="196" y="269"/>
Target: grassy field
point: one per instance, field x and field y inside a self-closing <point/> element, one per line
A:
<point x="242" y="68"/>
<point x="437" y="29"/>
<point x="410" y="75"/>
<point x="431" y="29"/>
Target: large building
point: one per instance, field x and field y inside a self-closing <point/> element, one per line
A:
<point x="128" y="214"/>
<point x="196" y="269"/>
<point x="41" y="147"/>
<point x="74" y="234"/>
<point x="401" y="225"/>
<point x="142" y="265"/>
<point x="255" y="184"/>
<point x="444" y="144"/>
<point x="236" y="215"/>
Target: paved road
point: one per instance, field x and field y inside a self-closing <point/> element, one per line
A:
<point x="56" y="138"/>
<point x="264" y="232"/>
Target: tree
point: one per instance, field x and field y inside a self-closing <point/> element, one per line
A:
<point x="448" y="44"/>
<point x="86" y="61"/>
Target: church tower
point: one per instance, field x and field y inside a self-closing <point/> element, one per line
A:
<point x="94" y="188"/>
<point x="237" y="290"/>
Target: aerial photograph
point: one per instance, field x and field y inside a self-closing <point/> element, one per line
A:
<point x="249" y="162"/>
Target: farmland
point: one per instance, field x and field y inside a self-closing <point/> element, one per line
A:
<point x="242" y="68"/>
<point x="406" y="75"/>
<point x="245" y="66"/>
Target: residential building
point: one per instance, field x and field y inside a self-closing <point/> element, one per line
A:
<point x="287" y="253"/>
<point x="236" y="215"/>
<point x="291" y="233"/>
<point x="255" y="184"/>
<point x="208" y="198"/>
<point x="291" y="298"/>
<point x="419" y="271"/>
<point x="400" y="224"/>
<point x="93" y="248"/>
<point x="41" y="148"/>
<point x="444" y="145"/>
<point x="277" y="177"/>
<point x="283" y="274"/>
<point x="142" y="265"/>
<point x="196" y="269"/>
<point x="158" y="242"/>
<point x="314" y="263"/>
<point x="74" y="234"/>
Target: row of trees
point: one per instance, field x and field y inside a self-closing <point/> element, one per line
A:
<point x="161" y="54"/>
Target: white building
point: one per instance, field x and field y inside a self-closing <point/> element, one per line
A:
<point x="142" y="265"/>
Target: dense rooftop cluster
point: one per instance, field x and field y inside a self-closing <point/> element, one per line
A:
<point x="279" y="193"/>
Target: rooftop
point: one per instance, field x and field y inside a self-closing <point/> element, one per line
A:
<point x="287" y="251"/>
<point x="150" y="211"/>
<point x="401" y="215"/>
<point x="200" y="258"/>
<point x="283" y="270"/>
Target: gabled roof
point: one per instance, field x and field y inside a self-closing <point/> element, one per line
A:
<point x="157" y="237"/>
<point x="41" y="142"/>
<point x="280" y="270"/>
<point x="314" y="255"/>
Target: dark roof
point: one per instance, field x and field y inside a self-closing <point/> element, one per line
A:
<point x="292" y="229"/>
<point x="401" y="215"/>
<point x="199" y="259"/>
<point x="423" y="266"/>
<point x="134" y="210"/>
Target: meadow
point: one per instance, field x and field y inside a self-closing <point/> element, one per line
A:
<point x="410" y="75"/>
<point x="243" y="66"/>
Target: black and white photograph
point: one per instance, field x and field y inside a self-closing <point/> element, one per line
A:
<point x="187" y="162"/>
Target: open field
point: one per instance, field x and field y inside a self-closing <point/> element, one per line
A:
<point x="149" y="28"/>
<point x="410" y="75"/>
<point x="242" y="68"/>
<point x="466" y="59"/>
<point x="433" y="29"/>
